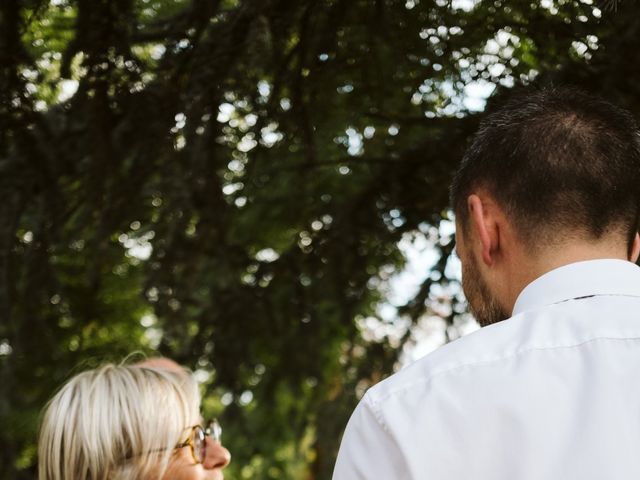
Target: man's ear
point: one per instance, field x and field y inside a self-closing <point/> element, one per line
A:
<point x="482" y="219"/>
<point x="635" y="249"/>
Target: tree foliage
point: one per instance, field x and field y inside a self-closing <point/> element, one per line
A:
<point x="225" y="182"/>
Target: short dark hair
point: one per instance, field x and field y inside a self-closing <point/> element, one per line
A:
<point x="557" y="160"/>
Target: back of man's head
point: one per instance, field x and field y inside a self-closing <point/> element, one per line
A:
<point x="561" y="163"/>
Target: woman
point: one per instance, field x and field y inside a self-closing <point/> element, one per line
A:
<point x="122" y="422"/>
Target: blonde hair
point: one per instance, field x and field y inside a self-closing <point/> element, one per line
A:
<point x="117" y="422"/>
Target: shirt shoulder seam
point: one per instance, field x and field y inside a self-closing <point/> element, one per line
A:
<point x="373" y="405"/>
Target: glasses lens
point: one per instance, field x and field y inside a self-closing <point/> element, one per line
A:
<point x="214" y="430"/>
<point x="199" y="445"/>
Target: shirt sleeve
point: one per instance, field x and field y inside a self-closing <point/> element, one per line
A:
<point x="368" y="451"/>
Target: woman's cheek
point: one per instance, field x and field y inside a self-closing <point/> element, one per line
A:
<point x="182" y="467"/>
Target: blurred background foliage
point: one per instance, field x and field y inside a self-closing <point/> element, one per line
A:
<point x="229" y="183"/>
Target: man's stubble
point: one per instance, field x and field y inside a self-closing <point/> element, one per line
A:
<point x="482" y="303"/>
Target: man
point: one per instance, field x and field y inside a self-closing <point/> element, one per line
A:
<point x="546" y="202"/>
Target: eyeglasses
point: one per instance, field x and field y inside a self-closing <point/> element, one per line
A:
<point x="197" y="440"/>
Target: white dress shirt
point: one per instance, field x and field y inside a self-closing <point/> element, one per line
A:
<point x="551" y="393"/>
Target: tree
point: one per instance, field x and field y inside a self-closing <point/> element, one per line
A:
<point x="226" y="182"/>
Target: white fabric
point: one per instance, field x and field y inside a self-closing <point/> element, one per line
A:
<point x="551" y="393"/>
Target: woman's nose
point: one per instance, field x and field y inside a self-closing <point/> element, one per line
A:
<point x="217" y="455"/>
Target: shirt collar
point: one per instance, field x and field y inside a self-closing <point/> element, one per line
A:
<point x="581" y="279"/>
